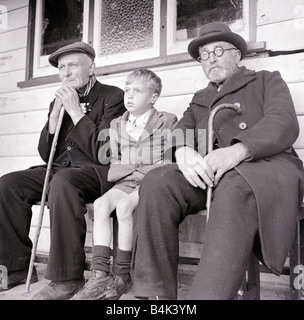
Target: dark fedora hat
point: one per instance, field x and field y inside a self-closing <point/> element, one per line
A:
<point x="77" y="46"/>
<point x="216" y="31"/>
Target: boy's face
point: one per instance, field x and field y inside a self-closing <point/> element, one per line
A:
<point x="138" y="98"/>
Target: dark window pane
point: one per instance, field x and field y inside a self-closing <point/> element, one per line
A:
<point x="62" y="23"/>
<point x="192" y="14"/>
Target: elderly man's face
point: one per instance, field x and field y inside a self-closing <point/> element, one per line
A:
<point x="75" y="69"/>
<point x="219" y="69"/>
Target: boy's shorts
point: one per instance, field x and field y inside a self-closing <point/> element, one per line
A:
<point x="129" y="183"/>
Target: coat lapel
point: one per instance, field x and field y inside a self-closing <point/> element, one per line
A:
<point x="154" y="121"/>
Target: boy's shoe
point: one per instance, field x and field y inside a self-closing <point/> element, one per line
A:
<point x="95" y="287"/>
<point x="103" y="286"/>
<point x="120" y="284"/>
<point x="17" y="277"/>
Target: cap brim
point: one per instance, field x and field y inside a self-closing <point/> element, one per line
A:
<point x="53" y="58"/>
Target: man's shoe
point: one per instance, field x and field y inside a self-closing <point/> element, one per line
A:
<point x="95" y="287"/>
<point x="62" y="290"/>
<point x="17" y="277"/>
<point x="119" y="285"/>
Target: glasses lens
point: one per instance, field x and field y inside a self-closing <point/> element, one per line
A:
<point x="218" y="51"/>
<point x="204" y="55"/>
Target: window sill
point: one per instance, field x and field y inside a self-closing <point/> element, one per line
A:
<point x="130" y="66"/>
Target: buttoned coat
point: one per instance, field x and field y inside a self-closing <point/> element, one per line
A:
<point x="268" y="126"/>
<point x="129" y="155"/>
<point x="79" y="145"/>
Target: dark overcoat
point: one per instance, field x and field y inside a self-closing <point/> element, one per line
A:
<point x="79" y="145"/>
<point x="268" y="126"/>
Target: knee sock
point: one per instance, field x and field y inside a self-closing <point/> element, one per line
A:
<point x="122" y="262"/>
<point x="101" y="258"/>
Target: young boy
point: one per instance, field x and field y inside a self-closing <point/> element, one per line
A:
<point x="137" y="140"/>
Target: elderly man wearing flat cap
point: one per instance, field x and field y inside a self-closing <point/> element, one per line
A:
<point x="77" y="176"/>
<point x="257" y="178"/>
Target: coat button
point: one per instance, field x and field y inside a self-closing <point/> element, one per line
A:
<point x="242" y="125"/>
<point x="69" y="148"/>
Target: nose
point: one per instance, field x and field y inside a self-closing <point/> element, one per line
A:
<point x="130" y="95"/>
<point x="212" y="57"/>
<point x="66" y="72"/>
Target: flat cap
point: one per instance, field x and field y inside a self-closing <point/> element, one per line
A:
<point x="77" y="46"/>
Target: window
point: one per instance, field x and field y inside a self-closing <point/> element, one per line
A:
<point x="128" y="34"/>
<point x="58" y="23"/>
<point x="126" y="30"/>
<point x="185" y="18"/>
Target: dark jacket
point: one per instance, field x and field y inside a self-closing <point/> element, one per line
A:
<point x="79" y="145"/>
<point x="268" y="127"/>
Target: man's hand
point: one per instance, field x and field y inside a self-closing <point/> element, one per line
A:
<point x="224" y="159"/>
<point x="194" y="168"/>
<point x="70" y="101"/>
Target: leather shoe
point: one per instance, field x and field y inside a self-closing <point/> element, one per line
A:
<point x="18" y="277"/>
<point x="62" y="290"/>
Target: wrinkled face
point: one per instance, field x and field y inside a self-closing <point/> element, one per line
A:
<point x="219" y="69"/>
<point x="75" y="69"/>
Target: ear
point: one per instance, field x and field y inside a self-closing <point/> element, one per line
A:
<point x="92" y="68"/>
<point x="238" y="56"/>
<point x="154" y="98"/>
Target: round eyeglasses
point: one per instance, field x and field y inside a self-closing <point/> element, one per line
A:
<point x="218" y="52"/>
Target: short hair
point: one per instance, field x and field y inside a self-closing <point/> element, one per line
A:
<point x="149" y="77"/>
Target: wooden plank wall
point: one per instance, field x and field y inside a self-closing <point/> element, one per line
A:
<point x="23" y="112"/>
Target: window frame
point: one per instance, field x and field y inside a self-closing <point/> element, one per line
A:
<point x="165" y="58"/>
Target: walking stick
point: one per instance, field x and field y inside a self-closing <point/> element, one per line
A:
<point x="235" y="107"/>
<point x="43" y="197"/>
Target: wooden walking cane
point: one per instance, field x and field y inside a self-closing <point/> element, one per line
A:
<point x="43" y="197"/>
<point x="236" y="107"/>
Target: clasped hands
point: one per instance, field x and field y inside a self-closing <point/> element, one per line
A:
<point x="207" y="171"/>
<point x="67" y="97"/>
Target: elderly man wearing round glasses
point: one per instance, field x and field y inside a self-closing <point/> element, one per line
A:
<point x="257" y="177"/>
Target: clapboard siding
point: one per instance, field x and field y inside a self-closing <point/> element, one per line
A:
<point x="19" y="42"/>
<point x="12" y="60"/>
<point x="19" y="145"/>
<point x="17" y="15"/>
<point x="282" y="36"/>
<point x="10" y="164"/>
<point x="22" y="123"/>
<point x="8" y="82"/>
<point x="12" y="5"/>
<point x="274" y="11"/>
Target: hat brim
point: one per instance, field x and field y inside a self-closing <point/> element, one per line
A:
<point x="230" y="37"/>
<point x="53" y="58"/>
